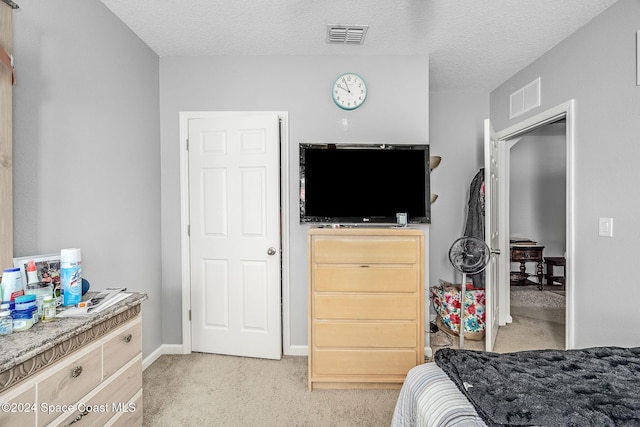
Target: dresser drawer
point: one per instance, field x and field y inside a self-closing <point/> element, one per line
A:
<point x="71" y="381"/>
<point x="529" y="253"/>
<point x="363" y="307"/>
<point x="132" y="417"/>
<point x="364" y="362"/>
<point x="111" y="400"/>
<point x="365" y="250"/>
<point x="123" y="347"/>
<point x="373" y="335"/>
<point x="21" y="409"/>
<point x="327" y="278"/>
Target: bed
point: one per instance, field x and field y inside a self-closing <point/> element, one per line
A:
<point x="597" y="386"/>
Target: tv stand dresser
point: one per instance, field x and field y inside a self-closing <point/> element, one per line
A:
<point x="366" y="306"/>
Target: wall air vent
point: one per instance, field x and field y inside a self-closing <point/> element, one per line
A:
<point x="524" y="99"/>
<point x="346" y="34"/>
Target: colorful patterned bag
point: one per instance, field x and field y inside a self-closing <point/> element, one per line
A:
<point x="446" y="300"/>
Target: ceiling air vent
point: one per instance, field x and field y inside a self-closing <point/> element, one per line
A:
<point x="346" y="34"/>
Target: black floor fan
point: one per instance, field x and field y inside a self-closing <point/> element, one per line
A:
<point x="468" y="255"/>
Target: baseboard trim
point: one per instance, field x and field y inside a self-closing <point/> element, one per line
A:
<point x="293" y="350"/>
<point x="428" y="353"/>
<point x="163" y="349"/>
<point x="297" y="350"/>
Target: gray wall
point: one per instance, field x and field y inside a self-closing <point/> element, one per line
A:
<point x="86" y="147"/>
<point x="86" y="111"/>
<point x="537" y="189"/>
<point x="457" y="134"/>
<point x="396" y="110"/>
<point x="596" y="66"/>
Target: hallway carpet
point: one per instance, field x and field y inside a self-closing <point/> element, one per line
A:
<point x="538" y="323"/>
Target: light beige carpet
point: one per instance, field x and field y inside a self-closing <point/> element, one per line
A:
<point x="213" y="390"/>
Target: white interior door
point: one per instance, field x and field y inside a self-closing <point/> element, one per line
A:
<point x="234" y="211"/>
<point x="492" y="234"/>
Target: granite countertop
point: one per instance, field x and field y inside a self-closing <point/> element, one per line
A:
<point x="21" y="346"/>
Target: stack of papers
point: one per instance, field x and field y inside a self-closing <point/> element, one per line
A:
<point x="106" y="299"/>
<point x="101" y="301"/>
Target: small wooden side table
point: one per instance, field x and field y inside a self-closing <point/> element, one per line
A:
<point x="528" y="253"/>
<point x="551" y="262"/>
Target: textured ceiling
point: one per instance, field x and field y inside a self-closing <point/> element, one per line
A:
<point x="471" y="43"/>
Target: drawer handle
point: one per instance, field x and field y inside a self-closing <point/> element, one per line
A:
<point x="78" y="417"/>
<point x="75" y="372"/>
<point x="128" y="338"/>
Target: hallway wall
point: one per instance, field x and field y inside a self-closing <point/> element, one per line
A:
<point x="537" y="196"/>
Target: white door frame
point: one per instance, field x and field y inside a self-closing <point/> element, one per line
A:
<point x="185" y="116"/>
<point x="506" y="140"/>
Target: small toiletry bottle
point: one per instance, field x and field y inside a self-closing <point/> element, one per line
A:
<point x="48" y="309"/>
<point x="32" y="273"/>
<point x="6" y="322"/>
<point x="12" y="286"/>
<point x="33" y="285"/>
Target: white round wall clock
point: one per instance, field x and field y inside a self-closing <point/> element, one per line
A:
<point x="349" y="91"/>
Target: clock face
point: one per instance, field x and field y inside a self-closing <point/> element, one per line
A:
<point x="349" y="91"/>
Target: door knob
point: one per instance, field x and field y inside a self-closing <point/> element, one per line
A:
<point x="271" y="251"/>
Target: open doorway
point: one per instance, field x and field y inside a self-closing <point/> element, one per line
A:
<point x="497" y="197"/>
<point x="537" y="231"/>
<point x="558" y="120"/>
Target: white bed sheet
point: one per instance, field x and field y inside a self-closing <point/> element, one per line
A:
<point x="428" y="398"/>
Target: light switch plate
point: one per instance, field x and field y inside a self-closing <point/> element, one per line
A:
<point x="605" y="227"/>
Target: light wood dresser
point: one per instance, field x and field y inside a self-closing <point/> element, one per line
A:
<point x="75" y="371"/>
<point x="366" y="306"/>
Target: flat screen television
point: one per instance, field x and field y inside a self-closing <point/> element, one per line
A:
<point x="364" y="183"/>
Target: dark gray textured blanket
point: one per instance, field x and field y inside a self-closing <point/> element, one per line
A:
<point x="597" y="386"/>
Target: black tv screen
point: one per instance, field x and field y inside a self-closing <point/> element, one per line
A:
<point x="364" y="183"/>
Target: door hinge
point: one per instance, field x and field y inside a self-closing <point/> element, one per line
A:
<point x="189" y="315"/>
<point x="189" y="230"/>
<point x="187" y="144"/>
